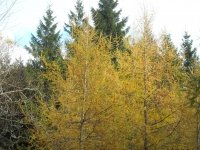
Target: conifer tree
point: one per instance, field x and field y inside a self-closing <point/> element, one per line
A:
<point x="75" y="18"/>
<point x="45" y="47"/>
<point x="76" y="21"/>
<point x="88" y="99"/>
<point x="150" y="81"/>
<point x="192" y="68"/>
<point x="189" y="53"/>
<point x="46" y="44"/>
<point x="169" y="50"/>
<point x="107" y="21"/>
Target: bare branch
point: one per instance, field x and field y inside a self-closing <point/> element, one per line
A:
<point x="6" y="6"/>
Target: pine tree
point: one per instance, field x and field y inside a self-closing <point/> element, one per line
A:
<point x="189" y="53"/>
<point x="46" y="44"/>
<point x="107" y="21"/>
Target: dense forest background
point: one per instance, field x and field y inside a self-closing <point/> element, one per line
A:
<point x="100" y="89"/>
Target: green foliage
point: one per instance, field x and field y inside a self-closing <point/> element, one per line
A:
<point x="194" y="93"/>
<point x="46" y="44"/>
<point x="76" y="18"/>
<point x="76" y="22"/>
<point x="107" y="21"/>
<point x="189" y="53"/>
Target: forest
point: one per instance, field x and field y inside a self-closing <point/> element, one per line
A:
<point x="100" y="89"/>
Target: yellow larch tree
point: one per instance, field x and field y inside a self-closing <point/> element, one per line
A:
<point x="173" y="84"/>
<point x="150" y="78"/>
<point x="84" y="112"/>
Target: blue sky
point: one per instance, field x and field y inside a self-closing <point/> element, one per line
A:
<point x="173" y="16"/>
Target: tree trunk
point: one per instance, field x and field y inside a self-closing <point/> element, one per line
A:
<point x="145" y="99"/>
<point x="198" y="133"/>
<point x="82" y="121"/>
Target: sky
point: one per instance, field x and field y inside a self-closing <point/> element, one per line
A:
<point x="172" y="16"/>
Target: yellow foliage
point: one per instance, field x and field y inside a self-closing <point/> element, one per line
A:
<point x="150" y="81"/>
<point x="87" y="101"/>
<point x="142" y="105"/>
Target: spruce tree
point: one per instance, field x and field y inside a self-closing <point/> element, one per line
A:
<point x="76" y="22"/>
<point x="45" y="47"/>
<point x="189" y="53"/>
<point x="76" y="18"/>
<point x="107" y="21"/>
<point x="192" y="68"/>
<point x="46" y="44"/>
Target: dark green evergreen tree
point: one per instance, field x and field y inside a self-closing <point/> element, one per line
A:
<point x="107" y="21"/>
<point x="76" y="18"/>
<point x="46" y="44"/>
<point x="45" y="47"/>
<point x="189" y="53"/>
<point x="192" y="68"/>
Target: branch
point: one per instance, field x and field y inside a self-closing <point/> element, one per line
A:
<point x="5" y="14"/>
<point x="15" y="91"/>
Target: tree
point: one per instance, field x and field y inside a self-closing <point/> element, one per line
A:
<point x="189" y="53"/>
<point x="89" y="111"/>
<point x="192" y="68"/>
<point x="193" y="96"/>
<point x="76" y="22"/>
<point x="187" y="124"/>
<point x="13" y="99"/>
<point x="76" y="18"/>
<point x="107" y="21"/>
<point x="46" y="44"/>
<point x="150" y="80"/>
<point x="14" y="132"/>
<point x="45" y="47"/>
